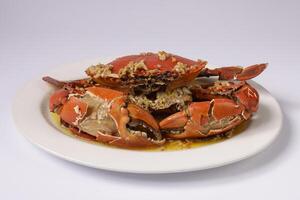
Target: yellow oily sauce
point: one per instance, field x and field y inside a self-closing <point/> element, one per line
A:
<point x="170" y="145"/>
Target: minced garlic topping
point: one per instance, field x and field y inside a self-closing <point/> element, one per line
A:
<point x="100" y="70"/>
<point x="162" y="55"/>
<point x="164" y="99"/>
<point x="180" y="68"/>
<point x="131" y="68"/>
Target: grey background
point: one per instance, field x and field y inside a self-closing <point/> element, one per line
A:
<point x="36" y="36"/>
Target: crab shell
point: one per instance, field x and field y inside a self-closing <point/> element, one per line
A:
<point x="73" y="110"/>
<point x="148" y="68"/>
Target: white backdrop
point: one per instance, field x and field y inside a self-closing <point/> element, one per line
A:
<point x="36" y="36"/>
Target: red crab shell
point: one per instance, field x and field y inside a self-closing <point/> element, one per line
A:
<point x="162" y="62"/>
<point x="149" y="69"/>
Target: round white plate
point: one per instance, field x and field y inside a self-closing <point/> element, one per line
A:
<point x="32" y="120"/>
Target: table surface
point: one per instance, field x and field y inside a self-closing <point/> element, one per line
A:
<point x="36" y="36"/>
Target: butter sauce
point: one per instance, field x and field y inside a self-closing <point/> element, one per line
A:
<point x="170" y="145"/>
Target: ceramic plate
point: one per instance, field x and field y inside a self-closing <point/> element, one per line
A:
<point x="32" y="120"/>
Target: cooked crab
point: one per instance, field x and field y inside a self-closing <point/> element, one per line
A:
<point x="123" y="101"/>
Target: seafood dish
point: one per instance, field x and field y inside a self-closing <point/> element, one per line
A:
<point x="149" y="99"/>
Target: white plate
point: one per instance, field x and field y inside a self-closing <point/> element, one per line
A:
<point x="32" y="120"/>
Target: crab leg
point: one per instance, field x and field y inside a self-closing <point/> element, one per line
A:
<point x="235" y="73"/>
<point x="74" y="83"/>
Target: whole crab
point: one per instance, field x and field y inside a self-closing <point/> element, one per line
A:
<point x="151" y="97"/>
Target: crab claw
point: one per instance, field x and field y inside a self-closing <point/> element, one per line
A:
<point x="203" y="119"/>
<point x="235" y="73"/>
<point x="136" y="127"/>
